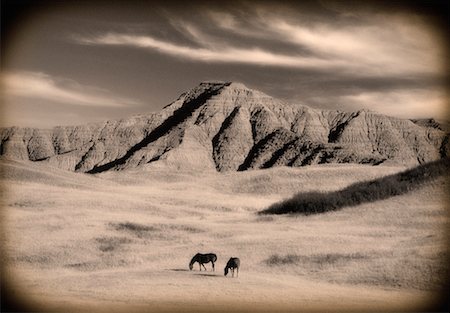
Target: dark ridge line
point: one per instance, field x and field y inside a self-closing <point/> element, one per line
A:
<point x="304" y="147"/>
<point x="179" y="97"/>
<point x="308" y="203"/>
<point x="278" y="154"/>
<point x="65" y="152"/>
<point x="34" y="131"/>
<point x="442" y="148"/>
<point x="178" y="116"/>
<point x="293" y="160"/>
<point x="253" y="151"/>
<point x="84" y="157"/>
<point x="41" y="159"/>
<point x="2" y="144"/>
<point x="253" y="125"/>
<point x="166" y="149"/>
<point x="311" y="151"/>
<point x="334" y="134"/>
<point x="29" y="152"/>
<point x="326" y="154"/>
<point x="312" y="154"/>
<point x="156" y="158"/>
<point x="258" y="111"/>
<point x="225" y="124"/>
<point x="381" y="161"/>
<point x="428" y="123"/>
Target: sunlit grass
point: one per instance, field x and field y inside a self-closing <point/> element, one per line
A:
<point x="142" y="235"/>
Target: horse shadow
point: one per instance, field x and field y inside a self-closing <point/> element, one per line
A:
<point x="196" y="273"/>
<point x="208" y="275"/>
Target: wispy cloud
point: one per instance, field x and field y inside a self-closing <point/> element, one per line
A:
<point x="228" y="54"/>
<point x="388" y="62"/>
<point x="377" y="44"/>
<point x="403" y="103"/>
<point x="43" y="86"/>
<point x="390" y="48"/>
<point x="373" y="46"/>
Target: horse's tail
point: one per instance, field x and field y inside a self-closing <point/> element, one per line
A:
<point x="214" y="258"/>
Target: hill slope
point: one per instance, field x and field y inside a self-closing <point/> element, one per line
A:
<point x="75" y="242"/>
<point x="229" y="127"/>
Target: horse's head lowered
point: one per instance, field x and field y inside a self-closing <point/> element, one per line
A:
<point x="193" y="260"/>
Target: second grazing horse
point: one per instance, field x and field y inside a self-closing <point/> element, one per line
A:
<point x="233" y="263"/>
<point x="202" y="259"/>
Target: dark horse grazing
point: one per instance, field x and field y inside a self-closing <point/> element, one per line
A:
<point x="202" y="259"/>
<point x="233" y="263"/>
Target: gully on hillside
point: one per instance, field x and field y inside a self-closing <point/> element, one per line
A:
<point x="230" y="127"/>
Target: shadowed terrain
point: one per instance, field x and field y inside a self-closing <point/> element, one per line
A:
<point x="227" y="126"/>
<point x="178" y="117"/>
<point x="362" y="192"/>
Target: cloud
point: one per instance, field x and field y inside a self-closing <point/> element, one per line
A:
<point x="370" y="45"/>
<point x="228" y="54"/>
<point x="386" y="61"/>
<point x="43" y="86"/>
<point x="223" y="20"/>
<point x="377" y="44"/>
<point x="388" y="48"/>
<point x="406" y="103"/>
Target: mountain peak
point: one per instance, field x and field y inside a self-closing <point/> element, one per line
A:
<point x="229" y="84"/>
<point x="237" y="85"/>
<point x="225" y="125"/>
<point x="213" y="83"/>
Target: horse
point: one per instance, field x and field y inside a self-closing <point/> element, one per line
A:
<point x="233" y="263"/>
<point x="202" y="259"/>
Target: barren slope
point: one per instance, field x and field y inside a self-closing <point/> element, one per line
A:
<point x="228" y="126"/>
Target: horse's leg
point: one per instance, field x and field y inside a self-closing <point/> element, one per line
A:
<point x="213" y="266"/>
<point x="204" y="266"/>
<point x="237" y="271"/>
<point x="200" y="266"/>
<point x="232" y="272"/>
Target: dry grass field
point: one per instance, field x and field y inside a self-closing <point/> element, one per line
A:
<point x="122" y="241"/>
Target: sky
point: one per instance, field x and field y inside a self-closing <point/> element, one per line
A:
<point x="77" y="62"/>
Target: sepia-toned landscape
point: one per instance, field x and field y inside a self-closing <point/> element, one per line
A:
<point x="120" y="241"/>
<point x="304" y="145"/>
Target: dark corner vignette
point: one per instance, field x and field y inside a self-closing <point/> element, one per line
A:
<point x="16" y="13"/>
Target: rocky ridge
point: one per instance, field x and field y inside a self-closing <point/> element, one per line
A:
<point x="227" y="126"/>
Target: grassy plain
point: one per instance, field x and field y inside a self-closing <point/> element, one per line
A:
<point x="122" y="241"/>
